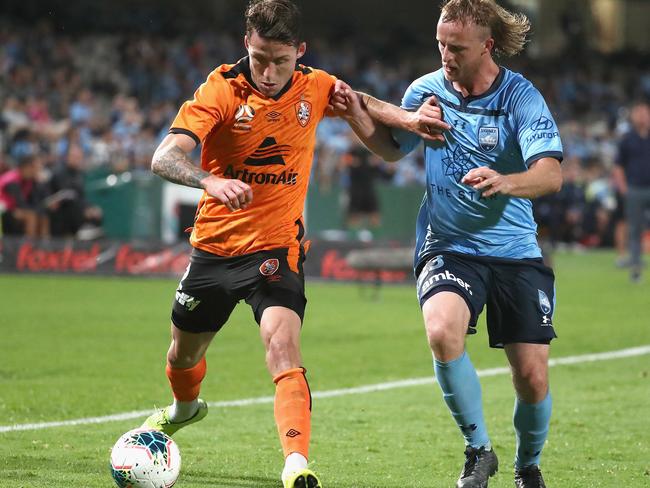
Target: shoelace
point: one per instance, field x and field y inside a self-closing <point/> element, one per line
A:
<point x="471" y="460"/>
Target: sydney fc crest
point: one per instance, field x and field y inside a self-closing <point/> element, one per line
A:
<point x="303" y="112"/>
<point x="544" y="302"/>
<point x="488" y="138"/>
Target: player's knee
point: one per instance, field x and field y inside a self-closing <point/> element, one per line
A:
<point x="442" y="330"/>
<point x="533" y="380"/>
<point x="182" y="359"/>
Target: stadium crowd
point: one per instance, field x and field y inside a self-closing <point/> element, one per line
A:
<point x="70" y="105"/>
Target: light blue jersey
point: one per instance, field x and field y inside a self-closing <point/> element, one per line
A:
<point x="507" y="128"/>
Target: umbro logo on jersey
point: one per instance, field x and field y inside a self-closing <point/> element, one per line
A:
<point x="269" y="152"/>
<point x="273" y="116"/>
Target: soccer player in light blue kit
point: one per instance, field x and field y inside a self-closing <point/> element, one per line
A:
<point x="476" y="237"/>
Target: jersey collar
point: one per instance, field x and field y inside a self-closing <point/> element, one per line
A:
<point x="466" y="100"/>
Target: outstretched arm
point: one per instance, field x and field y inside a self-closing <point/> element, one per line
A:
<point x="427" y="122"/>
<point x="172" y="162"/>
<point x="375" y="136"/>
<point x="371" y="120"/>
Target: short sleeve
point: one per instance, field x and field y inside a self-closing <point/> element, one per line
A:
<point x="325" y="87"/>
<point x="537" y="132"/>
<point x="197" y="117"/>
<point x="406" y="140"/>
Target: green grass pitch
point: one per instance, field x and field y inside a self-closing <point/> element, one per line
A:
<point x="74" y="348"/>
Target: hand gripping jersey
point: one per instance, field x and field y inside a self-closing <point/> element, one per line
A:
<point x="274" y="158"/>
<point x="507" y="129"/>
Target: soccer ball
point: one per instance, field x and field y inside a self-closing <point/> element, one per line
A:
<point x="244" y="114"/>
<point x="144" y="458"/>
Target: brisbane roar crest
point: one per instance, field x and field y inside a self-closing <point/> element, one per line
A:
<point x="269" y="267"/>
<point x="303" y="112"/>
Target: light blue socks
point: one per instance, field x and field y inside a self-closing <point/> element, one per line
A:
<point x="531" y="426"/>
<point x="462" y="392"/>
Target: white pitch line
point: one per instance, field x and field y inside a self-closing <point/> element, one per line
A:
<point x="358" y="390"/>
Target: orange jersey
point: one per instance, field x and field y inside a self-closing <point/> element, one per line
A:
<point x="274" y="157"/>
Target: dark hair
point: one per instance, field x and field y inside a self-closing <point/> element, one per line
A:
<point x="278" y="20"/>
<point x="509" y="30"/>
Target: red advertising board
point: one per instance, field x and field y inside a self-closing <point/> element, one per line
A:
<point x="325" y="260"/>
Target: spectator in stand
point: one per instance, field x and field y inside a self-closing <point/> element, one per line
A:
<point x="601" y="203"/>
<point x="561" y="216"/>
<point x="54" y="88"/>
<point x="633" y="175"/>
<point x="363" y="170"/>
<point x="69" y="210"/>
<point x="22" y="200"/>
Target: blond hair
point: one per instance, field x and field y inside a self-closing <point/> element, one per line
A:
<point x="508" y="29"/>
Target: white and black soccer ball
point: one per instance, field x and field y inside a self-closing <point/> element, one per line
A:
<point x="144" y="458"/>
<point x="244" y="114"/>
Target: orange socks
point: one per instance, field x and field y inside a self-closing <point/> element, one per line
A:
<point x="186" y="383"/>
<point x="293" y="411"/>
<point x="292" y="402"/>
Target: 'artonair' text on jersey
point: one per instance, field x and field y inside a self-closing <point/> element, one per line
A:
<point x="274" y="157"/>
<point x="507" y="129"/>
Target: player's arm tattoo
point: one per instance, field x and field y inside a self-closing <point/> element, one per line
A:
<point x="174" y="165"/>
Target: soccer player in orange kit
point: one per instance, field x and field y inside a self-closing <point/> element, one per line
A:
<point x="256" y="121"/>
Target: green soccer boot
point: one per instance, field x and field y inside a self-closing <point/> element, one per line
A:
<point x="160" y="420"/>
